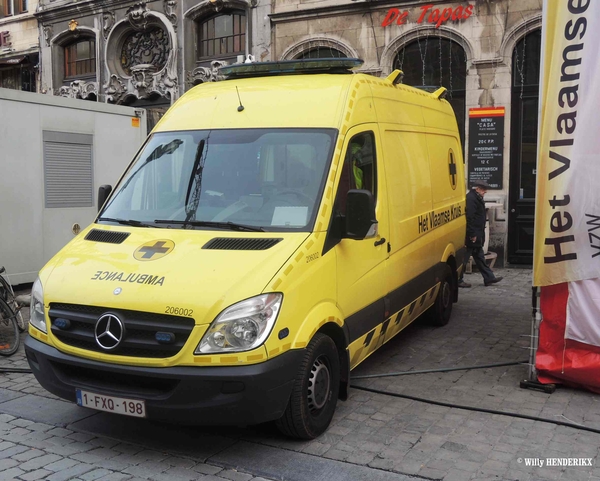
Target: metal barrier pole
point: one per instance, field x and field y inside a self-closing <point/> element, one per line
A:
<point x="536" y="319"/>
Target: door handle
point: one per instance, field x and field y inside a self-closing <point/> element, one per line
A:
<point x="512" y="210"/>
<point x="379" y="242"/>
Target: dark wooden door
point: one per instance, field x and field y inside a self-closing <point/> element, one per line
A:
<point x="523" y="149"/>
<point x="522" y="178"/>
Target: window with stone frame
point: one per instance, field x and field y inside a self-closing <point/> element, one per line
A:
<point x="8" y="8"/>
<point x="221" y="35"/>
<point x="80" y="59"/>
<point x="21" y="77"/>
<point x="10" y="78"/>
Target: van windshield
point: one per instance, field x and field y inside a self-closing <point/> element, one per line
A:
<point x="242" y="179"/>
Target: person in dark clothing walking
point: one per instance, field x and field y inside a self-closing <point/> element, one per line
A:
<point x="476" y="233"/>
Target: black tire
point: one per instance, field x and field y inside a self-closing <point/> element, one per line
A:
<point x="439" y="314"/>
<point x="7" y="295"/>
<point x="9" y="331"/>
<point x="315" y="392"/>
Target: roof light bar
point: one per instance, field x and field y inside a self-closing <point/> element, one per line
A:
<point x="290" y="67"/>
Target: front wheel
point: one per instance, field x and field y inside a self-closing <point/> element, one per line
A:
<point x="439" y="314"/>
<point x="315" y="392"/>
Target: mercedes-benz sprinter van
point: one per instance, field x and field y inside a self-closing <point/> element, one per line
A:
<point x="274" y="230"/>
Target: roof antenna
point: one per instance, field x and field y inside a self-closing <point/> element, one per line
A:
<point x="241" y="107"/>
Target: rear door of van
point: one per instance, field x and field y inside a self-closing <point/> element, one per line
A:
<point x="413" y="251"/>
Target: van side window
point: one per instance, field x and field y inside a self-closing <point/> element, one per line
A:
<point x="359" y="169"/>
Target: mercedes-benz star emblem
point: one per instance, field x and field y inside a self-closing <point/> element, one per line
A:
<point x="109" y="332"/>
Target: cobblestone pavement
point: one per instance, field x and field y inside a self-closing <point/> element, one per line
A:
<point x="373" y="436"/>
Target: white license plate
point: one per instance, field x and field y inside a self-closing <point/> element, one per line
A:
<point x="111" y="404"/>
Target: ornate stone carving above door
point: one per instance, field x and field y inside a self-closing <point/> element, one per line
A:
<point x="170" y="7"/>
<point x="204" y="74"/>
<point x="141" y="56"/>
<point x="138" y="16"/>
<point x="148" y="47"/>
<point x="108" y="21"/>
<point x="114" y="89"/>
<point x="80" y="89"/>
<point x="47" y="34"/>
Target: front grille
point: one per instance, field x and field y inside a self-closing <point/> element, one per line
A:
<point x="236" y="244"/>
<point x="110" y="237"/>
<point x="140" y="330"/>
<point x="109" y="380"/>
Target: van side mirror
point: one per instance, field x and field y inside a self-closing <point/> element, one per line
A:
<point x="103" y="193"/>
<point x="360" y="215"/>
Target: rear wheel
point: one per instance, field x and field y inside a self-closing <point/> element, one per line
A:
<point x="439" y="314"/>
<point x="9" y="332"/>
<point x="315" y="392"/>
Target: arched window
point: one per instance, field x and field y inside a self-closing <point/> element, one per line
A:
<point x="526" y="61"/>
<point x="322" y="52"/>
<point x="433" y="62"/>
<point x="80" y="59"/>
<point x="222" y="35"/>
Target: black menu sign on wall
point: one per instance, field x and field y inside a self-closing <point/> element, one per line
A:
<point x="486" y="145"/>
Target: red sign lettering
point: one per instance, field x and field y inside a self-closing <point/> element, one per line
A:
<point x="434" y="16"/>
<point x="394" y="15"/>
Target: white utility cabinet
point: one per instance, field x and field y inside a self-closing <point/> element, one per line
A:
<point x="54" y="154"/>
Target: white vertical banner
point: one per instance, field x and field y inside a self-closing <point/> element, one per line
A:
<point x="567" y="233"/>
<point x="567" y="220"/>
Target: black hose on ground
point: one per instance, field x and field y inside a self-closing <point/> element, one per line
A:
<point x="477" y="409"/>
<point x="443" y="369"/>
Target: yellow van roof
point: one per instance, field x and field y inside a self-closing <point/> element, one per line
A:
<point x="314" y="100"/>
<point x="277" y="101"/>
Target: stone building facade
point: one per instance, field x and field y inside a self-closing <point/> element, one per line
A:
<point x="142" y="53"/>
<point x="19" y="45"/>
<point x="485" y="52"/>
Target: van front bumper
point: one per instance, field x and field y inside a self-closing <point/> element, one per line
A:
<point x="204" y="395"/>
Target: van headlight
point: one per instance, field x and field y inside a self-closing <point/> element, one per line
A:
<point x="243" y="326"/>
<point x="36" y="309"/>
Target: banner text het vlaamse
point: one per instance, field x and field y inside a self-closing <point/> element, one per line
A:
<point x="562" y="221"/>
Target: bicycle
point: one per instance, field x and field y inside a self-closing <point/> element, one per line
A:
<point x="7" y="294"/>
<point x="10" y="336"/>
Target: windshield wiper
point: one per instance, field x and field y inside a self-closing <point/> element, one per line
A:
<point x="208" y="223"/>
<point x="135" y="223"/>
<point x="196" y="177"/>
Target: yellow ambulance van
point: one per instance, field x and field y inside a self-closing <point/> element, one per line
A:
<point x="275" y="229"/>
